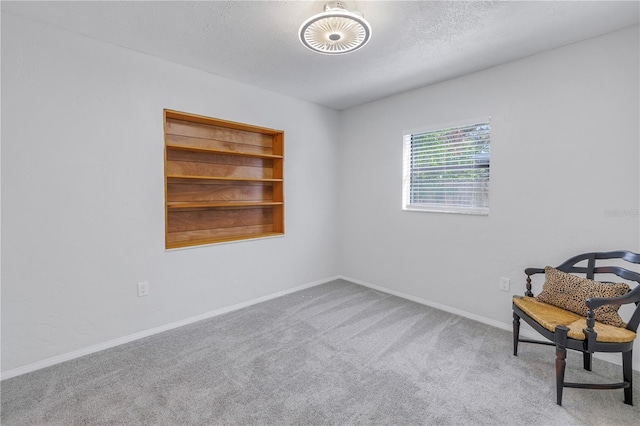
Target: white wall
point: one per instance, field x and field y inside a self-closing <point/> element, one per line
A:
<point x="565" y="149"/>
<point x="83" y="195"/>
<point x="82" y="207"/>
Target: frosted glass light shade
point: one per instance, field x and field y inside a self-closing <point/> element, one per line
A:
<point x="335" y="31"/>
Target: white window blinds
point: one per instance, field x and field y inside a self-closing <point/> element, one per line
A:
<point x="448" y="169"/>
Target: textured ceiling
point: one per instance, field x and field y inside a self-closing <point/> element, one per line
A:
<point x="414" y="43"/>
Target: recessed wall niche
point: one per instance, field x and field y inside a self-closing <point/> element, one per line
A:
<point x="223" y="180"/>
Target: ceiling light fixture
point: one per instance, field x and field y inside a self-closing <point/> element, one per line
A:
<point x="335" y="31"/>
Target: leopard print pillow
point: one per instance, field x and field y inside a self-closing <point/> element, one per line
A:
<point x="569" y="292"/>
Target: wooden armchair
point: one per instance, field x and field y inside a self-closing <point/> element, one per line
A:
<point x="594" y="325"/>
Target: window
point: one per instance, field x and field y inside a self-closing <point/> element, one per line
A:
<point x="447" y="169"/>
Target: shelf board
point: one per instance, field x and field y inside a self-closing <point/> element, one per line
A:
<point x="175" y="205"/>
<point x="194" y="118"/>
<point x="191" y="243"/>
<point x="236" y="179"/>
<point x="219" y="151"/>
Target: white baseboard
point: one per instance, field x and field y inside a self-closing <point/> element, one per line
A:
<point x="439" y="306"/>
<point x="525" y="330"/>
<point x="150" y="332"/>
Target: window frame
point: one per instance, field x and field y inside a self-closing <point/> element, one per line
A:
<point x="406" y="169"/>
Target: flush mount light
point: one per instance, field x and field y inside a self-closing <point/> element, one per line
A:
<point x="335" y="31"/>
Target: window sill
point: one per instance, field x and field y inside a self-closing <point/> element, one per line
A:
<point x="448" y="209"/>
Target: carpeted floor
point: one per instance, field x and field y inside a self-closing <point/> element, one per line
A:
<point x="334" y="354"/>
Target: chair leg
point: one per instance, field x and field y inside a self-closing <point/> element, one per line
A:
<point x="516" y="333"/>
<point x="627" y="374"/>
<point x="561" y="356"/>
<point x="587" y="359"/>
<point x="561" y="363"/>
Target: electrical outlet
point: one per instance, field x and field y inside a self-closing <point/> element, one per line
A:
<point x="143" y="288"/>
<point x="504" y="284"/>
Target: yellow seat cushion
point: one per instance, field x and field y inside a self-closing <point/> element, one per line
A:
<point x="550" y="316"/>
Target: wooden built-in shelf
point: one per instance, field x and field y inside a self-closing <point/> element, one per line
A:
<point x="223" y="180"/>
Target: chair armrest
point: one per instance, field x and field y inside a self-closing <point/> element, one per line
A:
<point x="529" y="272"/>
<point x="632" y="297"/>
<point x="533" y="271"/>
